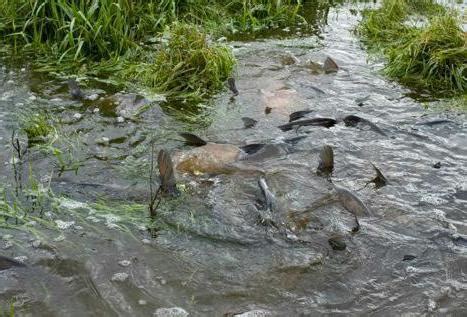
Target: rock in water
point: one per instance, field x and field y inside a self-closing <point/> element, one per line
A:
<point x="326" y="161"/>
<point x="74" y="89"/>
<point x="330" y="66"/>
<point x="171" y="312"/>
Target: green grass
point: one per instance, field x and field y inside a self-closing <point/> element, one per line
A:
<point x="36" y="126"/>
<point x="186" y="66"/>
<point x="431" y="57"/>
<point x="103" y="37"/>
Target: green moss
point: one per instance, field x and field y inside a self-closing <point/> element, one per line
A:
<point x="432" y="57"/>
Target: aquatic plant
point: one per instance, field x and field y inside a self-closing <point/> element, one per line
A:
<point x="187" y="66"/>
<point x="36" y="125"/>
<point x="432" y="56"/>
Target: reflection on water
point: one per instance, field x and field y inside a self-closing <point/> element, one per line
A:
<point x="211" y="255"/>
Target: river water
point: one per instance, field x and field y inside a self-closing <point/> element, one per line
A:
<point x="89" y="253"/>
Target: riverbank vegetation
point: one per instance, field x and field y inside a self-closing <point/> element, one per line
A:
<point x="162" y="44"/>
<point x="423" y="43"/>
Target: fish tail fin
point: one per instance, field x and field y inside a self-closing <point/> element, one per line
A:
<point x="191" y="139"/>
<point x="268" y="196"/>
<point x="167" y="175"/>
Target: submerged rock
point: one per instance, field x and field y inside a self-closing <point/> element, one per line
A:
<point x="171" y="312"/>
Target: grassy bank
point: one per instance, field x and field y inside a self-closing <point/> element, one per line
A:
<point x="431" y="55"/>
<point x="160" y="43"/>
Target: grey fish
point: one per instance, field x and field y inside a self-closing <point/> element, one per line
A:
<point x="354" y="121"/>
<point x="269" y="198"/>
<point x="74" y="89"/>
<point x="330" y="66"/>
<point x="167" y="174"/>
<point x="191" y="139"/>
<point x="232" y="86"/>
<point x="324" y="122"/>
<point x="8" y="263"/>
<point x="249" y="122"/>
<point x="380" y="180"/>
<point x="267" y="110"/>
<point x="326" y="161"/>
<point x="298" y="115"/>
<point x="351" y="202"/>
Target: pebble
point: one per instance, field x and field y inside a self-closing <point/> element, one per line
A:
<point x="119" y="277"/>
<point x="255" y="313"/>
<point x="170" y="312"/>
<point x="124" y="263"/>
<point x="96" y="110"/>
<point x="77" y="116"/>
<point x="36" y="244"/>
<point x="120" y="119"/>
<point x="142" y="302"/>
<point x="21" y="258"/>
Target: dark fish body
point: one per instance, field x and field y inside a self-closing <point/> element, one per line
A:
<point x="269" y="198"/>
<point x="351" y="202"/>
<point x="232" y="86"/>
<point x="326" y="161"/>
<point x="337" y="243"/>
<point x="298" y="115"/>
<point x="74" y="89"/>
<point x="330" y="66"/>
<point x="323" y="122"/>
<point x="249" y="122"/>
<point x="267" y="110"/>
<point x="354" y="121"/>
<point x="7" y="263"/>
<point x="191" y="139"/>
<point x="435" y="122"/>
<point x="167" y="174"/>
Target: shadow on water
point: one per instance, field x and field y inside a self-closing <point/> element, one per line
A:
<point x="89" y="252"/>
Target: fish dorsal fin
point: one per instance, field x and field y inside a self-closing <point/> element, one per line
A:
<point x="330" y="66"/>
<point x="166" y="172"/>
<point x="249" y="122"/>
<point x="269" y="198"/>
<point x="326" y="162"/>
<point x="298" y="115"/>
<point x="191" y="139"/>
<point x="380" y="180"/>
<point x="252" y="148"/>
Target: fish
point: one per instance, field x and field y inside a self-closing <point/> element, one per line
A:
<point x="354" y="121"/>
<point x="435" y="122"/>
<point x="269" y="198"/>
<point x="326" y="161"/>
<point x="168" y="184"/>
<point x="8" y="263"/>
<point x="74" y="89"/>
<point x="191" y="139"/>
<point x="380" y="180"/>
<point x="337" y="243"/>
<point x="232" y="86"/>
<point x="324" y="122"/>
<point x="330" y="66"/>
<point x="249" y="122"/>
<point x="267" y="110"/>
<point x="265" y="214"/>
<point x="298" y="115"/>
<point x="351" y="202"/>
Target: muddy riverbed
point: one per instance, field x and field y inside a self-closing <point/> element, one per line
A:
<point x="89" y="253"/>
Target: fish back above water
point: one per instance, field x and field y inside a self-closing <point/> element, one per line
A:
<point x="354" y="121"/>
<point x="269" y="198"/>
<point x="294" y="116"/>
<point x="351" y="202"/>
<point x="211" y="158"/>
<point x="380" y="180"/>
<point x="191" y="139"/>
<point x="8" y="263"/>
<point x="330" y="66"/>
<point x="326" y="161"/>
<point x="323" y="122"/>
<point x="167" y="173"/>
<point x="249" y="122"/>
<point x="232" y="86"/>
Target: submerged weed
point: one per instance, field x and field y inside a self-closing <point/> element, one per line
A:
<point x="37" y="126"/>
